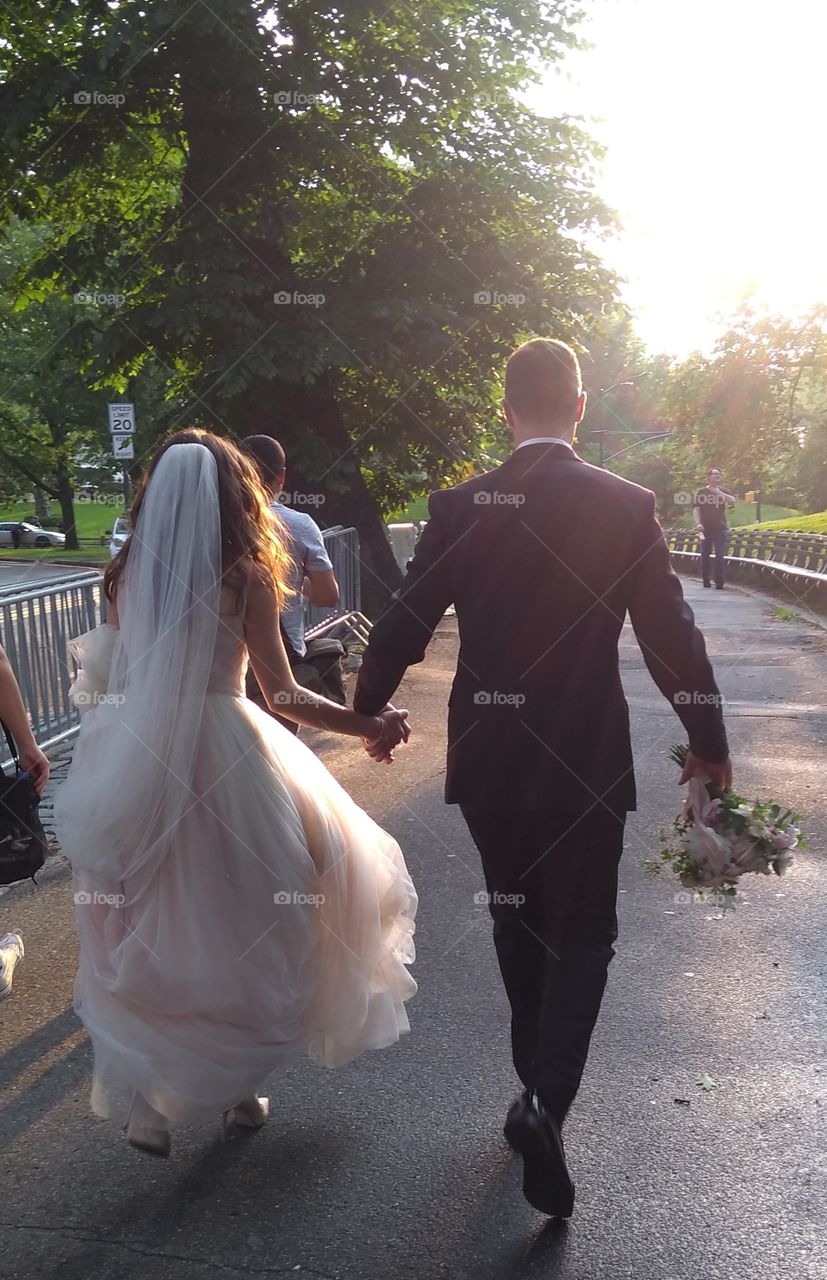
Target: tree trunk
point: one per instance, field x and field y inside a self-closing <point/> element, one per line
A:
<point x="42" y="509"/>
<point x="66" y="498"/>
<point x="226" y="201"/>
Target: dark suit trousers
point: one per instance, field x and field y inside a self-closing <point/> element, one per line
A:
<point x="552" y="885"/>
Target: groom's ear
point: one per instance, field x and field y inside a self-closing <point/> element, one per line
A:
<point x="508" y="413"/>
<point x="581" y="406"/>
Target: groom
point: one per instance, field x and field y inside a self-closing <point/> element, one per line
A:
<point x="543" y="558"/>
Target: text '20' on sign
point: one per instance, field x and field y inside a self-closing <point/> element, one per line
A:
<point x="121" y="419"/>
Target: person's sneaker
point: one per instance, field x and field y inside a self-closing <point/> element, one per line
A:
<point x="11" y="953"/>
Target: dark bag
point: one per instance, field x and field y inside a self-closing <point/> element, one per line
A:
<point x="22" y="838"/>
<point x="321" y="668"/>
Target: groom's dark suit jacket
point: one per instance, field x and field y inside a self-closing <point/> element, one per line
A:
<point x="543" y="558"/>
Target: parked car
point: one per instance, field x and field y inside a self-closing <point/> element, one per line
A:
<point x="118" y="535"/>
<point x="30" y="535"/>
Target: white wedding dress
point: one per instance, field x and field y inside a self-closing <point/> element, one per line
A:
<point x="235" y="908"/>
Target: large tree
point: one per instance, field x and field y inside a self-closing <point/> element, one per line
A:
<point x="373" y="164"/>
<point x="746" y="407"/>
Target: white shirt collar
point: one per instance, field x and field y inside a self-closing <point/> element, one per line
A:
<point x="544" y="440"/>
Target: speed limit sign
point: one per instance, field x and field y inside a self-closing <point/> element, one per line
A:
<point x="121" y="419"/>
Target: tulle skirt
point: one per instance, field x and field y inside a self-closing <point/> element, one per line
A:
<point x="280" y="923"/>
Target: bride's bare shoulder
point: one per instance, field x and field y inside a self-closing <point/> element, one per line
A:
<point x="258" y="585"/>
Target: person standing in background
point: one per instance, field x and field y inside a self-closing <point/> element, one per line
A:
<point x="710" y="507"/>
<point x="13" y="714"/>
<point x="312" y="577"/>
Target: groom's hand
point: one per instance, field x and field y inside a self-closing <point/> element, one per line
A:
<point x="720" y="773"/>
<point x="395" y="729"/>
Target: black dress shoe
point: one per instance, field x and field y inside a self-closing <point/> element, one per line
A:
<point x="707" y="585"/>
<point x="516" y="1113"/>
<point x="535" y="1134"/>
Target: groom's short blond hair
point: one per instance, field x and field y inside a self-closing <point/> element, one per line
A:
<point x="543" y="381"/>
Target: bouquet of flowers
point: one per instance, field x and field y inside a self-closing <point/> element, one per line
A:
<point x="719" y="836"/>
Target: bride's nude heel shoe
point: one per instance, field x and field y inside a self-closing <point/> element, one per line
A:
<point x="252" y="1113"/>
<point x="154" y="1139"/>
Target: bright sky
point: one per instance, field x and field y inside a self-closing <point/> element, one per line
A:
<point x="714" y="117"/>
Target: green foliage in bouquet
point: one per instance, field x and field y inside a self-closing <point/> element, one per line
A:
<point x="710" y="850"/>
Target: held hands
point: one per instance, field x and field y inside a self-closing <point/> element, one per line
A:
<point x="394" y="729"/>
<point x="720" y="773"/>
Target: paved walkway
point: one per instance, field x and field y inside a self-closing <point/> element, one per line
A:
<point x="396" y="1166"/>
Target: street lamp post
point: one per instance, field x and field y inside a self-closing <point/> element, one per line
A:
<point x="601" y="431"/>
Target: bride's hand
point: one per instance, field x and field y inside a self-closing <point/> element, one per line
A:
<point x="394" y="729"/>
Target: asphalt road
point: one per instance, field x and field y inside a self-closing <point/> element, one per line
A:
<point x="31" y="575"/>
<point x="396" y="1166"/>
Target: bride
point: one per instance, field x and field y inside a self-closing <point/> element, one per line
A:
<point x="235" y="908"/>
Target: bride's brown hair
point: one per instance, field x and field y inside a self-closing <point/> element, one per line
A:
<point x="249" y="530"/>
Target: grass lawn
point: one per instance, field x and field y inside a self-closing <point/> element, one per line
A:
<point x="418" y="510"/>
<point x="814" y="523"/>
<point x="56" y="555"/>
<point x="92" y="519"/>
<point x="744" y="513"/>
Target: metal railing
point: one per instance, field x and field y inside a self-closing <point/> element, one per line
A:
<point x="37" y="625"/>
<point x="796" y="561"/>
<point x="35" y="629"/>
<point x="342" y="545"/>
